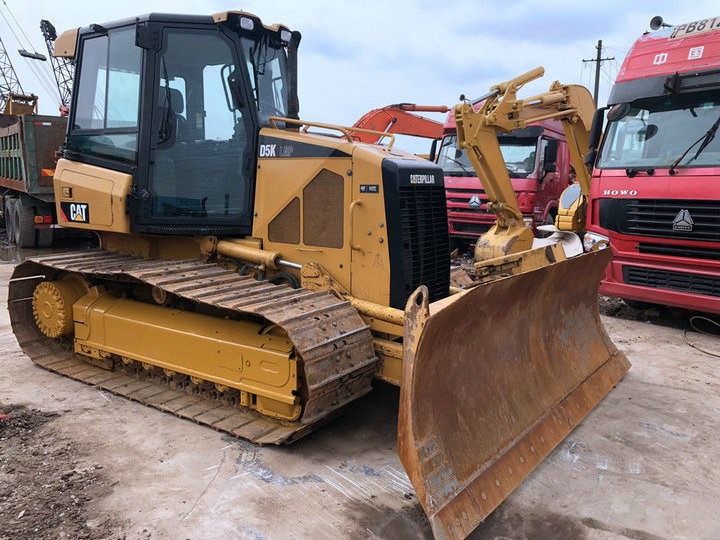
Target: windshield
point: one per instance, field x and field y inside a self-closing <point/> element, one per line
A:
<point x="267" y="65"/>
<point x="519" y="156"/>
<point x="657" y="131"/>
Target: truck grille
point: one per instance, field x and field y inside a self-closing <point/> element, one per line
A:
<point x="463" y="195"/>
<point x="471" y="228"/>
<point x="711" y="254"/>
<point x="425" y="242"/>
<point x="654" y="217"/>
<point x="676" y="281"/>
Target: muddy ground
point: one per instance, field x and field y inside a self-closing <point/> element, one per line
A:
<point x="76" y="462"/>
<point x="46" y="480"/>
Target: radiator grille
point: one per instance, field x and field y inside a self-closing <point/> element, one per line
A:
<point x="425" y="243"/>
<point x="676" y="281"/>
<point x="712" y="254"/>
<point x="655" y="217"/>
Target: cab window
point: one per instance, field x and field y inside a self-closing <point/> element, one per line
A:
<point x="105" y="116"/>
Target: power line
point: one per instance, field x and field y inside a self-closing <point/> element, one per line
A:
<point x="28" y="44"/>
<point x="44" y="78"/>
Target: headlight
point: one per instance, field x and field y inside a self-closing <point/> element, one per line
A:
<point x="285" y="35"/>
<point x="592" y="239"/>
<point x="528" y="221"/>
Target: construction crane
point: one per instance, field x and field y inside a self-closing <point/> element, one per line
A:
<point x="62" y="68"/>
<point x="12" y="96"/>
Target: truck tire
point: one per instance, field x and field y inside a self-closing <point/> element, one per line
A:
<point x="24" y="225"/>
<point x="10" y="219"/>
<point x="45" y="237"/>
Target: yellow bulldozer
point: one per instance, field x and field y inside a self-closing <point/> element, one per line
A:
<point x="256" y="272"/>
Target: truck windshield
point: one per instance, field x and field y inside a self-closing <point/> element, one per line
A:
<point x="655" y="132"/>
<point x="519" y="156"/>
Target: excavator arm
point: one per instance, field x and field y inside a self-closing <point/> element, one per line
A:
<point x="399" y="119"/>
<point x="502" y="111"/>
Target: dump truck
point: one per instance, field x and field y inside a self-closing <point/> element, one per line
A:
<point x="655" y="194"/>
<point x="257" y="272"/>
<point x="28" y="143"/>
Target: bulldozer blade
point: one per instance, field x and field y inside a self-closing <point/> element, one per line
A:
<point x="493" y="379"/>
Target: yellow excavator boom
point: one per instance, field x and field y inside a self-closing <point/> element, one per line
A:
<point x="502" y="111"/>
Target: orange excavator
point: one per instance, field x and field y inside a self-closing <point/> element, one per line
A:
<point x="399" y="119"/>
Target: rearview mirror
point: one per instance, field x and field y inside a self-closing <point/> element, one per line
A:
<point x="618" y="112"/>
<point x="647" y="132"/>
<point x="551" y="151"/>
<point x="596" y="128"/>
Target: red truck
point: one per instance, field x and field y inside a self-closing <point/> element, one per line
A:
<point x="538" y="161"/>
<point x="655" y="190"/>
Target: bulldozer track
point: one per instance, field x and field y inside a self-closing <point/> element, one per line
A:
<point x="328" y="335"/>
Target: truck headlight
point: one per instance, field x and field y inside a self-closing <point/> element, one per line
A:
<point x="590" y="240"/>
<point x="528" y="221"/>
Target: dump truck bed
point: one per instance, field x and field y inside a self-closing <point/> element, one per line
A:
<point x="27" y="153"/>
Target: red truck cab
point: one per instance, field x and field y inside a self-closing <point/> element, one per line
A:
<point x="538" y="161"/>
<point x="655" y="190"/>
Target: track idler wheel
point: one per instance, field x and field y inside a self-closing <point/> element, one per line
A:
<point x="52" y="305"/>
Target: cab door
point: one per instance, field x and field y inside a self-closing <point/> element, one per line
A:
<point x="198" y="177"/>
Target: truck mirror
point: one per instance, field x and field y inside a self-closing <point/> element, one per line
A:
<point x="647" y="132"/>
<point x="433" y="150"/>
<point x="590" y="158"/>
<point x="596" y="128"/>
<point x="549" y="167"/>
<point x="551" y="151"/>
<point x="619" y="111"/>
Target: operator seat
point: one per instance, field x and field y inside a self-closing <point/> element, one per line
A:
<point x="177" y="106"/>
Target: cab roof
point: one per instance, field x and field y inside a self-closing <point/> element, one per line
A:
<point x="673" y="50"/>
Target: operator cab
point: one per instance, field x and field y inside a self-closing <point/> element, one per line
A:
<point x="177" y="101"/>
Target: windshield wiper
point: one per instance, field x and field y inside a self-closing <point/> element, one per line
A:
<point x="471" y="173"/>
<point x="165" y="131"/>
<point x="705" y="140"/>
<point x="632" y="171"/>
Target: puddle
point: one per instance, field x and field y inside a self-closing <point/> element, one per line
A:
<point x="65" y="240"/>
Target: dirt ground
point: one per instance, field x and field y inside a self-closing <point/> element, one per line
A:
<point x="76" y="462"/>
<point x="45" y="482"/>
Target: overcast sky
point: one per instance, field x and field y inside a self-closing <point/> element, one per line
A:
<point x="356" y="56"/>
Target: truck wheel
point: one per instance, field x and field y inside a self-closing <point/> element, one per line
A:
<point x="45" y="237"/>
<point x="24" y="225"/>
<point x="10" y="219"/>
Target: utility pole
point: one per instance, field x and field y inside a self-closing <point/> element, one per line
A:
<point x="598" y="60"/>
